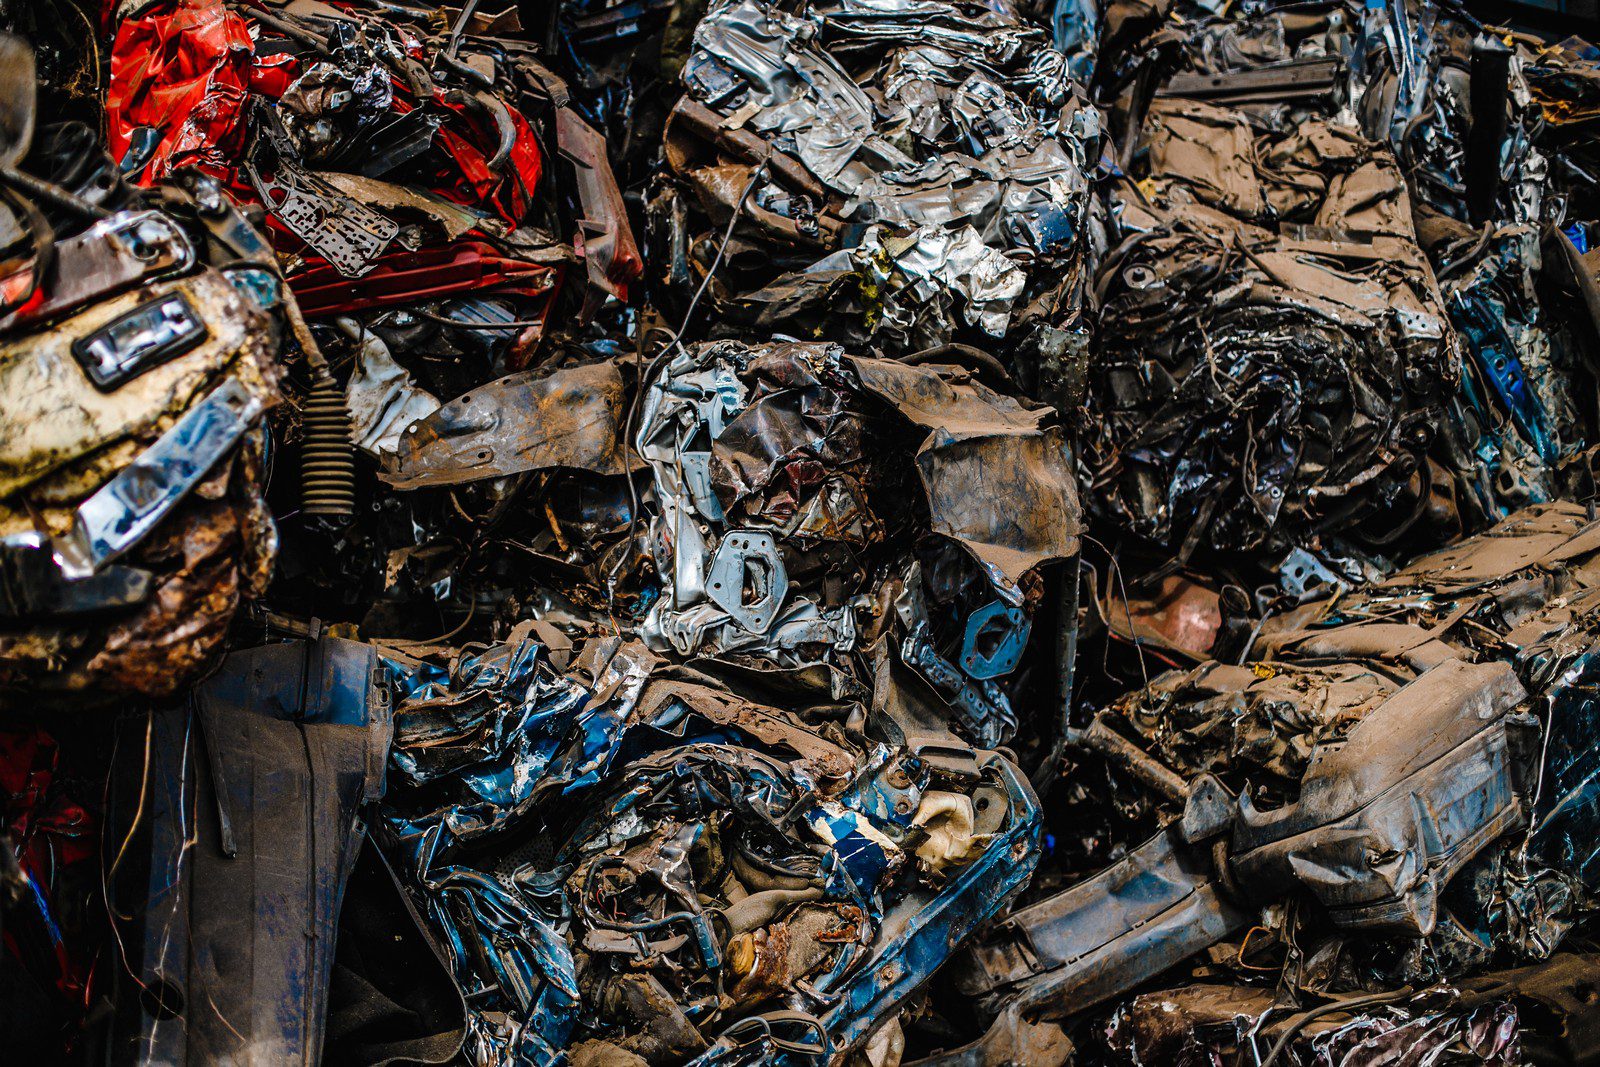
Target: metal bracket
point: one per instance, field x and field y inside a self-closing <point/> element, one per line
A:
<point x="748" y="580"/>
<point x="126" y="508"/>
<point x="983" y="655"/>
<point x="113" y="254"/>
<point x="1303" y="576"/>
<point x="348" y="234"/>
<point x="697" y="480"/>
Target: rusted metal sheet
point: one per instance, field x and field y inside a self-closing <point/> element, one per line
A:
<point x="525" y="421"/>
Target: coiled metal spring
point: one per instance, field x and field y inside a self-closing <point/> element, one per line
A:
<point x="327" y="467"/>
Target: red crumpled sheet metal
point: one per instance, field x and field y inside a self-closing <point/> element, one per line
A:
<point x="184" y="68"/>
<point x="477" y="185"/>
<point x="188" y="67"/>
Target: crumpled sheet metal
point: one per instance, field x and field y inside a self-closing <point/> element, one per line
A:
<point x="748" y="621"/>
<point x="1223" y="716"/>
<point x="614" y="854"/>
<point x="429" y="187"/>
<point x="1024" y="513"/>
<point x="526" y="421"/>
<point x="1508" y="222"/>
<point x="995" y="479"/>
<point x="193" y="64"/>
<point x="1331" y="747"/>
<point x="1258" y="384"/>
<point x="383" y="399"/>
<point x="1532" y="579"/>
<point x="751" y="443"/>
<point x="133" y="521"/>
<point x="197" y="61"/>
<point x="699" y="399"/>
<point x="1197" y="1024"/>
<point x="368" y="136"/>
<point x="1259" y="115"/>
<point x="939" y="127"/>
<point x="1386" y="815"/>
<point x="1354" y="836"/>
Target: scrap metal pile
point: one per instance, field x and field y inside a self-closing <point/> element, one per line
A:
<point x="838" y="532"/>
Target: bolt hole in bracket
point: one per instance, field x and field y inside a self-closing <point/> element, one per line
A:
<point x="995" y="637"/>
<point x="747" y="579"/>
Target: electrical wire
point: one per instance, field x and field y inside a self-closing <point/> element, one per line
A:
<point x="648" y="372"/>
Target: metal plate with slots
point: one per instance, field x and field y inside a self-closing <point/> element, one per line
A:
<point x="152" y="333"/>
<point x="126" y="508"/>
